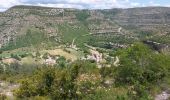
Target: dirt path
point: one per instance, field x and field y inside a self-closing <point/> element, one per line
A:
<point x="163" y="96"/>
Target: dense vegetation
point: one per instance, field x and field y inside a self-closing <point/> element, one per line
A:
<point x="162" y="39"/>
<point x="103" y="41"/>
<point x="139" y="76"/>
<point x="142" y="68"/>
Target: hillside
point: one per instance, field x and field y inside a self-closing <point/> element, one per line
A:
<point x="128" y="24"/>
<point x="71" y="54"/>
<point x="148" y="18"/>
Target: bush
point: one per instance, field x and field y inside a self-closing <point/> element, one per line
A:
<point x="68" y="51"/>
<point x="140" y="63"/>
<point x="27" y="89"/>
<point x="1" y="51"/>
<point x="45" y="56"/>
<point x="49" y="81"/>
<point x="37" y="54"/>
<point x="24" y="55"/>
<point x="1" y="68"/>
<point x="15" y="57"/>
<point x="142" y="67"/>
<point x="55" y="82"/>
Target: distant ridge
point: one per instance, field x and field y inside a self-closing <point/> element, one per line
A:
<point x="135" y="22"/>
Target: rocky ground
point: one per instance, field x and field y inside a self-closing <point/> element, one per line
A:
<point x="7" y="88"/>
<point x="163" y="96"/>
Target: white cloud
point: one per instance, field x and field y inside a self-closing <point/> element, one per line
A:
<point x="152" y="3"/>
<point x="62" y="5"/>
<point x="134" y="4"/>
<point x="5" y="4"/>
<point x="81" y="4"/>
<point x="2" y="9"/>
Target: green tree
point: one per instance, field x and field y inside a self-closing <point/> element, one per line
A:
<point x="141" y="67"/>
<point x="27" y="89"/>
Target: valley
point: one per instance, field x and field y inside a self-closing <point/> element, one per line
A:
<point x="62" y="53"/>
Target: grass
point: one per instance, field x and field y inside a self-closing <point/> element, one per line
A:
<point x="60" y="52"/>
<point x="79" y="54"/>
<point x="69" y="33"/>
<point x="31" y="60"/>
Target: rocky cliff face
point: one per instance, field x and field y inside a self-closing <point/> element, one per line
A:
<point x="151" y="18"/>
<point x="18" y="19"/>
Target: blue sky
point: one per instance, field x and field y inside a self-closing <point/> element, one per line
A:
<point x="85" y="4"/>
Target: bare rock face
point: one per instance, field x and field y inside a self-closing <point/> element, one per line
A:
<point x="7" y="88"/>
<point x="149" y="18"/>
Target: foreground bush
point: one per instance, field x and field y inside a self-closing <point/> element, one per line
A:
<point x="140" y="70"/>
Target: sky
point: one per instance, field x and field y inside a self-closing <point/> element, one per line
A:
<point x="85" y="4"/>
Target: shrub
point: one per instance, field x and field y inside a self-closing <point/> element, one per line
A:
<point x="24" y="55"/>
<point x="140" y="67"/>
<point x="15" y="57"/>
<point x="37" y="54"/>
<point x="1" y="51"/>
<point x="27" y="89"/>
<point x="45" y="56"/>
